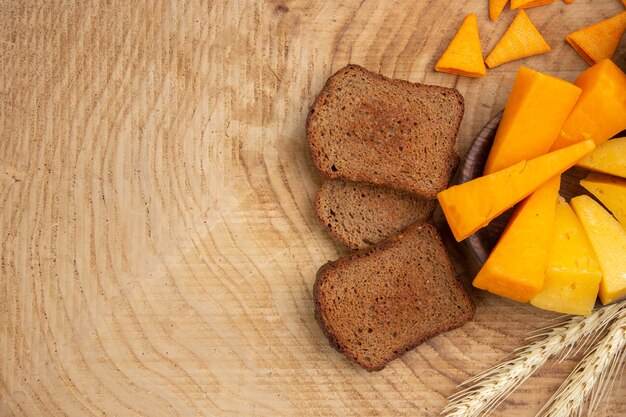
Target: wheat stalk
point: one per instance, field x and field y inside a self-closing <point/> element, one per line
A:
<point x="488" y="389"/>
<point x="593" y="376"/>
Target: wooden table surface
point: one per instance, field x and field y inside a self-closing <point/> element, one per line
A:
<point x="158" y="241"/>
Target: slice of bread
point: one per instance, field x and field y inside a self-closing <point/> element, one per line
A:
<point x="367" y="127"/>
<point x="378" y="303"/>
<point x="359" y="214"/>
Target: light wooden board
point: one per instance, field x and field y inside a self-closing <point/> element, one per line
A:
<point x="158" y="242"/>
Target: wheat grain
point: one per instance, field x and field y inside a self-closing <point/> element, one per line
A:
<point x="488" y="389"/>
<point x="593" y="376"/>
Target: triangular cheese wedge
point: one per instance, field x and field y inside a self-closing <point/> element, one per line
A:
<point x="610" y="158"/>
<point x="534" y="113"/>
<point x="464" y="55"/>
<point x="525" y="4"/>
<point x="521" y="39"/>
<point x="599" y="112"/>
<point x="496" y="7"/>
<point x="573" y="273"/>
<point x="608" y="240"/>
<point x="599" y="40"/>
<point x="516" y="268"/>
<point x="610" y="191"/>
<point x="472" y="205"/>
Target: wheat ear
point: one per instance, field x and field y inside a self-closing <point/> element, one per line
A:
<point x="593" y="376"/>
<point x="488" y="389"/>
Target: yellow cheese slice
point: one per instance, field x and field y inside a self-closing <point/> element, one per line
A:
<point x="496" y="7"/>
<point x="472" y="205"/>
<point x="573" y="273"/>
<point x="600" y="112"/>
<point x="611" y="192"/>
<point x="610" y="158"/>
<point x="521" y="39"/>
<point x="600" y="40"/>
<point x="464" y="55"/>
<point x="516" y="267"/>
<point x="608" y="239"/>
<point x="535" y="111"/>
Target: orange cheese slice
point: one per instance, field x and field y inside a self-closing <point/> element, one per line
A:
<point x="496" y="7"/>
<point x="599" y="40"/>
<point x="525" y="4"/>
<point x="534" y="113"/>
<point x="600" y="112"/>
<point x="521" y="39"/>
<point x="472" y="205"/>
<point x="516" y="267"/>
<point x="464" y="55"/>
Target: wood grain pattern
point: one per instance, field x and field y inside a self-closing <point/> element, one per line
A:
<point x="158" y="239"/>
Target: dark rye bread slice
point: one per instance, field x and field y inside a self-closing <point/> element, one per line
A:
<point x="378" y="303"/>
<point x="360" y="214"/>
<point x="367" y="127"/>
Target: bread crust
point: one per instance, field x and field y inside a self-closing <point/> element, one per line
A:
<point x="380" y="249"/>
<point x="361" y="214"/>
<point x="435" y="181"/>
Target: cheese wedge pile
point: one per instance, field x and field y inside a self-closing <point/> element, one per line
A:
<point x="522" y="39"/>
<point x="555" y="255"/>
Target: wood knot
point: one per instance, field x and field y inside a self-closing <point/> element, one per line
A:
<point x="281" y="8"/>
<point x="9" y="174"/>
